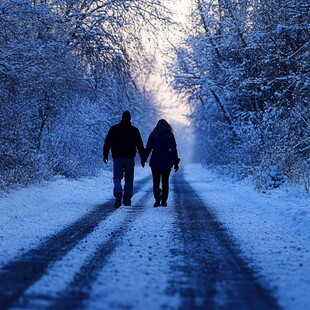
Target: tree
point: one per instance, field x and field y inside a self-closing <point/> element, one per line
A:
<point x="245" y="69"/>
<point x="67" y="68"/>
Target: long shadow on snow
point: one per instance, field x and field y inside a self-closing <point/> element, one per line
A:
<point x="21" y="273"/>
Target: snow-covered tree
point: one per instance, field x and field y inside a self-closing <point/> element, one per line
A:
<point x="245" y="68"/>
<point x="67" y="70"/>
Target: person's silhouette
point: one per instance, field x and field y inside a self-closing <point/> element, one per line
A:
<point x="123" y="139"/>
<point x="161" y="143"/>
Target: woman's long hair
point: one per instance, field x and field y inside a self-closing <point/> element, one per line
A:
<point x="161" y="128"/>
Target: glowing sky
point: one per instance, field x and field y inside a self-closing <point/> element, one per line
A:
<point x="172" y="107"/>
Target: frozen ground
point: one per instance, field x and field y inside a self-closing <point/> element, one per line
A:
<point x="272" y="232"/>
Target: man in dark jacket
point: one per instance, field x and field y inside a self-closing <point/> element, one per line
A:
<point x="123" y="139"/>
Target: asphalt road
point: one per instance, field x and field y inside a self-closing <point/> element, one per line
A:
<point x="181" y="256"/>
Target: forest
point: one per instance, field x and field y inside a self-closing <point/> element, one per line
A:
<point x="244" y="67"/>
<point x="69" y="67"/>
<point x="67" y="70"/>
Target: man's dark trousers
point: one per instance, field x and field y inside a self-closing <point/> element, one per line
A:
<point x="123" y="167"/>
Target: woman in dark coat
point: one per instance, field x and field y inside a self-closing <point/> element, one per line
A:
<point x="161" y="143"/>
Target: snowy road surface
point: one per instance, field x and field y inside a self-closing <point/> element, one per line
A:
<point x="138" y="257"/>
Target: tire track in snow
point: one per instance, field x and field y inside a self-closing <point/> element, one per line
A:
<point x="207" y="272"/>
<point x="137" y="274"/>
<point x="20" y="274"/>
<point x="79" y="290"/>
<point x="61" y="273"/>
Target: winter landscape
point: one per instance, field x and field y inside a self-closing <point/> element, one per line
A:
<point x="232" y="79"/>
<point x="270" y="232"/>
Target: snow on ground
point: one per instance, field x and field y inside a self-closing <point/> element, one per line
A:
<point x="62" y="273"/>
<point x="30" y="214"/>
<point x="272" y="231"/>
<point x="140" y="275"/>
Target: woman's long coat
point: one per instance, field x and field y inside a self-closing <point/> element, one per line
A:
<point x="164" y="150"/>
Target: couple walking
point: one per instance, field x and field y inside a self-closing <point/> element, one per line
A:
<point x="124" y="140"/>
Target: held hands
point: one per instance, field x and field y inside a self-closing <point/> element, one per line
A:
<point x="143" y="160"/>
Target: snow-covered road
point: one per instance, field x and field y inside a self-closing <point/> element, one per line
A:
<point x="64" y="246"/>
